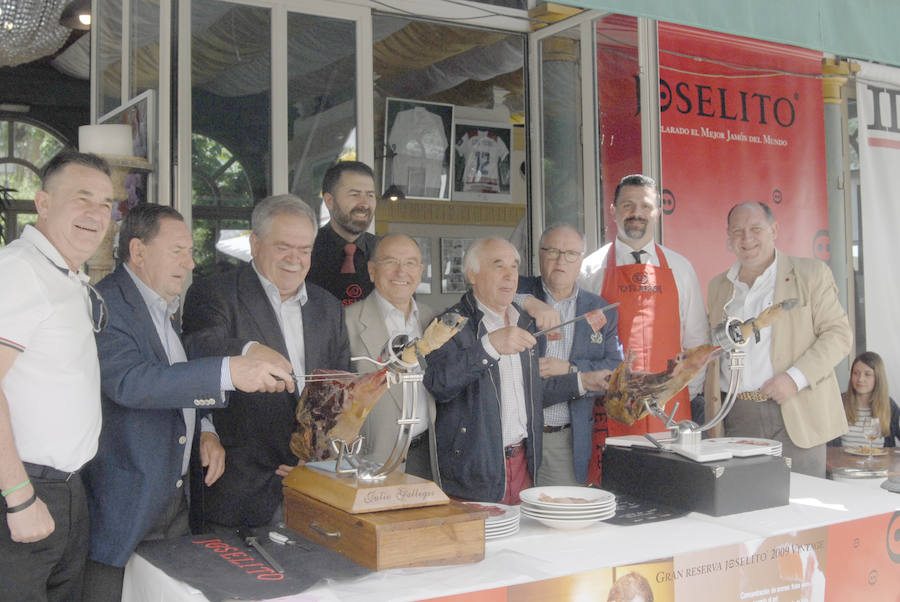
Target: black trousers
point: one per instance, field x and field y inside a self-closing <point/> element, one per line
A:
<point x="53" y="568"/>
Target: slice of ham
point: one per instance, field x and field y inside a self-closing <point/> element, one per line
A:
<point x="334" y="408"/>
<point x="596" y="319"/>
<point x="563" y="499"/>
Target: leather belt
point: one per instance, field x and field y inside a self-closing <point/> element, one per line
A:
<point x="749" y="396"/>
<point x="556" y="429"/>
<point x="421" y="438"/>
<point x="511" y="451"/>
<point x="39" y="471"/>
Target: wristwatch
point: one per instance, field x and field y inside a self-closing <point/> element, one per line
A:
<point x="573" y="369"/>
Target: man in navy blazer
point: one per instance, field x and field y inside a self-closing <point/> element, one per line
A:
<point x="136" y="484"/>
<point x="266" y="305"/>
<point x="574" y="348"/>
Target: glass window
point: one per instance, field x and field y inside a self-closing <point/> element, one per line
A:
<point x="618" y="110"/>
<point x="144" y="51"/>
<point x="231" y="89"/>
<point x="25" y="148"/>
<point x="447" y="99"/>
<point x="561" y="125"/>
<point x="321" y="100"/>
<point x="856" y="243"/>
<point x="109" y="54"/>
<point x="33" y="144"/>
<point x="222" y="202"/>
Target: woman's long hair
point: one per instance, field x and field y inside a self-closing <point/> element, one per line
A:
<point x="881" y="404"/>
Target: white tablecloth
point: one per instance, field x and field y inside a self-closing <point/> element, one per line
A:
<point x="537" y="552"/>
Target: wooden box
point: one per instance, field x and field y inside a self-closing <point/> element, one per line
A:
<point x="431" y="536"/>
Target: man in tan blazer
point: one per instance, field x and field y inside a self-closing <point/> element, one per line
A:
<point x="788" y="391"/>
<point x="396" y="270"/>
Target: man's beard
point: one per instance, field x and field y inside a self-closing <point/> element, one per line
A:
<point x="635" y="228"/>
<point x="351" y="224"/>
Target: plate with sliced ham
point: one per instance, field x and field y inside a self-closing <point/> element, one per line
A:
<point x="558" y="497"/>
<point x="502" y="520"/>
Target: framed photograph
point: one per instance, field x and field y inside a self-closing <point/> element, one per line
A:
<point x="417" y="148"/>
<point x="140" y="114"/>
<point x="424" y="243"/>
<point x="481" y="162"/>
<point x="453" y="274"/>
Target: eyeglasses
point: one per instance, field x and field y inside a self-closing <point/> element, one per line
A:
<point x="408" y="264"/>
<point x="554" y="253"/>
<point x="98" y="311"/>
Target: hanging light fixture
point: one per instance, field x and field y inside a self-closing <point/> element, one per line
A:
<point x="394" y="193"/>
<point x="77" y="15"/>
<point x="30" y="29"/>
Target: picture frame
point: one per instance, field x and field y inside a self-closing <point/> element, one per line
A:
<point x="418" y="141"/>
<point x="453" y="273"/>
<point x="482" y="158"/>
<point x="424" y="243"/>
<point x="140" y="114"/>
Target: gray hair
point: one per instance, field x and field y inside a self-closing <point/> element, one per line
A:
<point x="561" y="226"/>
<point x="472" y="258"/>
<point x="281" y="204"/>
<point x="770" y="217"/>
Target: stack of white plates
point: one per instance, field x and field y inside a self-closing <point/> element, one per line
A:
<point x="502" y="520"/>
<point x="563" y="507"/>
<point x="750" y="446"/>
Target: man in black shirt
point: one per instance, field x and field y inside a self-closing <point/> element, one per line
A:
<point x="343" y="247"/>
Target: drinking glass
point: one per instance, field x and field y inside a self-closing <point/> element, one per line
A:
<point x="872" y="433"/>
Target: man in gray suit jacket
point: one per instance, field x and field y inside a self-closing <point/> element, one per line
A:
<point x="396" y="269"/>
<point x="788" y="391"/>
<point x="264" y="308"/>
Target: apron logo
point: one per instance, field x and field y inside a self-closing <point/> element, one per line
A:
<point x="597" y="338"/>
<point x="640" y="288"/>
<point x="354" y="291"/>
<point x="640" y="278"/>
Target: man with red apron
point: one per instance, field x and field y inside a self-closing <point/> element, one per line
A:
<point x="661" y="309"/>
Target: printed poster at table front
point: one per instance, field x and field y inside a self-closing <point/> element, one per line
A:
<point x="784" y="568"/>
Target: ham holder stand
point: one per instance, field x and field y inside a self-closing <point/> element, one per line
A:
<point x="373" y="513"/>
<point x="716" y="476"/>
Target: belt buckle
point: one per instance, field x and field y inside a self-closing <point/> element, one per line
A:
<point x="510" y="451"/>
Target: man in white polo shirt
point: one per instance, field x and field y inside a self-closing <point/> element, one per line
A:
<point x="50" y="381"/>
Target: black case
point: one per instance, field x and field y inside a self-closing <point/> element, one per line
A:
<point x="714" y="488"/>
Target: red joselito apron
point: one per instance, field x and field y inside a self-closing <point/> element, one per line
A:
<point x="650" y="327"/>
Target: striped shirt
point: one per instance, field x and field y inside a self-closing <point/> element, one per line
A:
<point x="855" y="437"/>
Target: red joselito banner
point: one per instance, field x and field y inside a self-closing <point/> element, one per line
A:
<point x="740" y="121"/>
<point x="734" y="129"/>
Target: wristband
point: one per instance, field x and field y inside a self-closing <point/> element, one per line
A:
<point x="6" y="492"/>
<point x="23" y="505"/>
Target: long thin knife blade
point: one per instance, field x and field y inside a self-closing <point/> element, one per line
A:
<point x="251" y="541"/>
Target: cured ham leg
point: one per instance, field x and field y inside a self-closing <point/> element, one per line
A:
<point x="628" y="390"/>
<point x="441" y="330"/>
<point x="334" y="408"/>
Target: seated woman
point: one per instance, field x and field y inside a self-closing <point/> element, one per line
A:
<point x="867" y="396"/>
